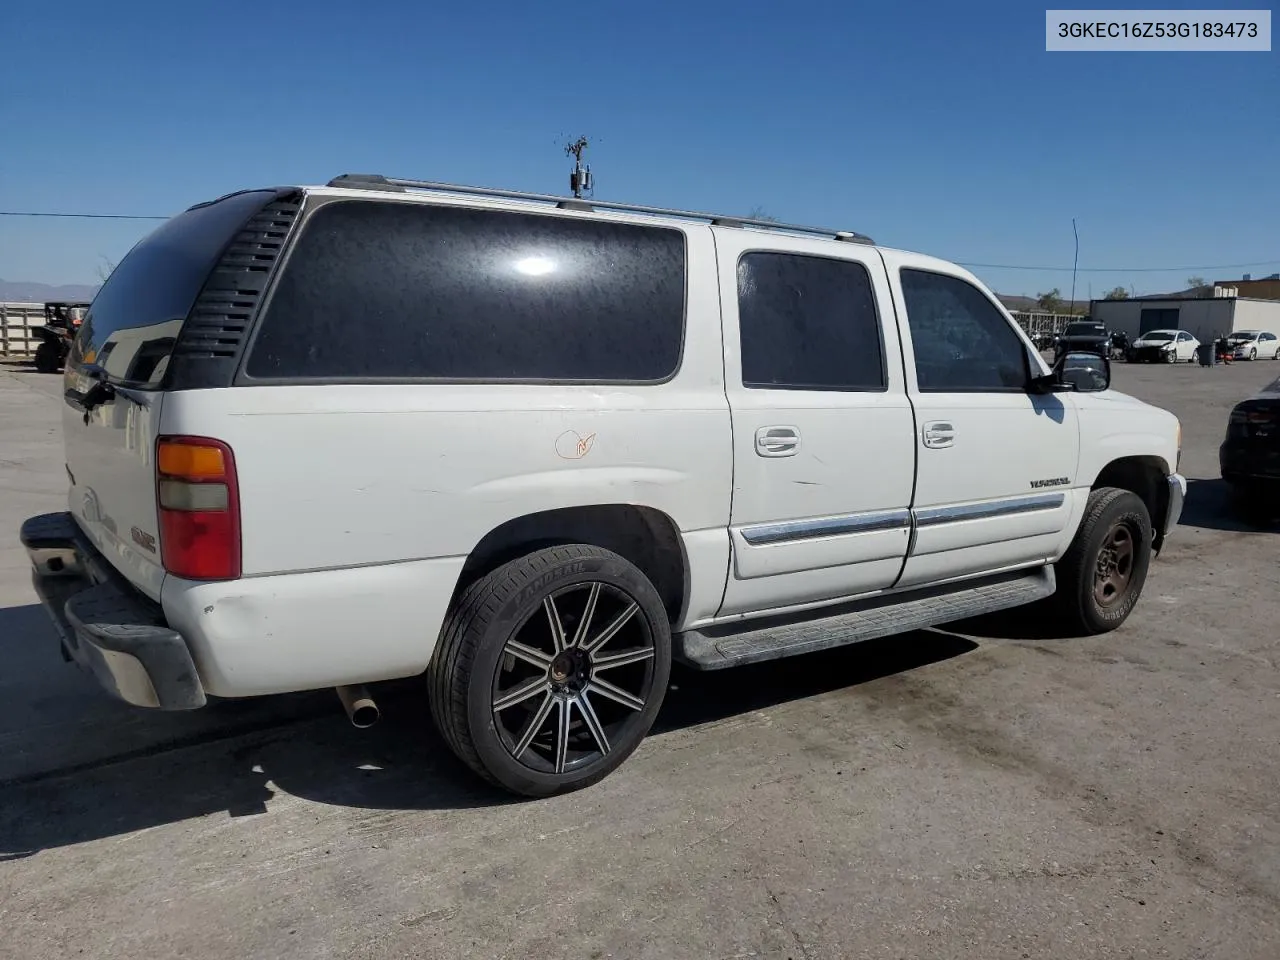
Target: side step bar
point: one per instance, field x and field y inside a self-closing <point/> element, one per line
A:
<point x="751" y="641"/>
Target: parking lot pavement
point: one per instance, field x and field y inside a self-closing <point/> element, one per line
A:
<point x="970" y="792"/>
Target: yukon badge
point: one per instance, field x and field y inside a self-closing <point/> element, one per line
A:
<point x="1051" y="482"/>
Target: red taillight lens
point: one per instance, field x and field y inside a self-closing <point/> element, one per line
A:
<point x="198" y="499"/>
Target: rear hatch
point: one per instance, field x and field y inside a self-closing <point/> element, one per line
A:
<point x="119" y="370"/>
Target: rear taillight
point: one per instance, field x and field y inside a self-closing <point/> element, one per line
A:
<point x="1253" y="418"/>
<point x="198" y="499"/>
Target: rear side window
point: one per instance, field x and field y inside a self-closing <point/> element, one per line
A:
<point x="808" y="323"/>
<point x="962" y="343"/>
<point x="386" y="290"/>
<point x="135" y="319"/>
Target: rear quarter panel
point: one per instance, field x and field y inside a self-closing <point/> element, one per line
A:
<point x="376" y="493"/>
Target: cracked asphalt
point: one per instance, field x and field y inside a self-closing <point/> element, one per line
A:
<point x="989" y="790"/>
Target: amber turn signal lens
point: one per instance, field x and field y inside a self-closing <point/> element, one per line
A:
<point x="191" y="462"/>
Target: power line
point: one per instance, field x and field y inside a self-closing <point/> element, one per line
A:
<point x="1121" y="269"/>
<point x="78" y="216"/>
<point x="983" y="266"/>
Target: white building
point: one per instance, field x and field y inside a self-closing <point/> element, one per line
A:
<point x="1205" y="318"/>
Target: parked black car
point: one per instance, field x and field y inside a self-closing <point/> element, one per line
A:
<point x="1249" y="457"/>
<point x="1085" y="336"/>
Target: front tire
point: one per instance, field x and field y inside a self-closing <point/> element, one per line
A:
<point x="1253" y="353"/>
<point x="551" y="669"/>
<point x="1101" y="576"/>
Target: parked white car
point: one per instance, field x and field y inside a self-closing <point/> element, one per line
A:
<point x="1163" y="346"/>
<point x="1254" y="345"/>
<point x="536" y="450"/>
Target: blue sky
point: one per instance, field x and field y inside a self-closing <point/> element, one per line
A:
<point x="944" y="128"/>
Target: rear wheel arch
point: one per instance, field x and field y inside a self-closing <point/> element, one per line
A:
<point x="646" y="537"/>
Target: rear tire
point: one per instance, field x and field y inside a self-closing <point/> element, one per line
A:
<point x="551" y="669"/>
<point x="48" y="357"/>
<point x="1101" y="576"/>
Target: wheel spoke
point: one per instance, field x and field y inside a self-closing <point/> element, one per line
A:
<point x="521" y="694"/>
<point x="609" y="632"/>
<point x="527" y="654"/>
<point x="553" y="618"/>
<point x="580" y="634"/>
<point x="606" y="689"/>
<point x="593" y="722"/>
<point x="534" y="725"/>
<point x="562" y="735"/>
<point x="622" y="659"/>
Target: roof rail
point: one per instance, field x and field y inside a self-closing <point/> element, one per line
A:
<point x="374" y="181"/>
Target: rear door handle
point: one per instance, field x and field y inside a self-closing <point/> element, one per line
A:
<point x="938" y="434"/>
<point x="777" y="441"/>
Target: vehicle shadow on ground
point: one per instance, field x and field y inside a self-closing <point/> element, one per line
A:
<point x="1209" y="507"/>
<point x="237" y="757"/>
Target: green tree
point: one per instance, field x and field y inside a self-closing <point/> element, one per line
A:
<point x="1197" y="283"/>
<point x="1050" y="302"/>
<point x="1118" y="293"/>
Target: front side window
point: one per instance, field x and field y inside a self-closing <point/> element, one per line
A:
<point x="808" y="323"/>
<point x="392" y="290"/>
<point x="962" y="343"/>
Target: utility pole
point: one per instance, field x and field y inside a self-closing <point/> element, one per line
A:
<point x="1074" y="263"/>
<point x="580" y="180"/>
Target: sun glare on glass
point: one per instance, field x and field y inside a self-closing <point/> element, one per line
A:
<point x="535" y="266"/>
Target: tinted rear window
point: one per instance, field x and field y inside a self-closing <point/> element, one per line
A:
<point x="1084" y="330"/>
<point x="135" y="318"/>
<point x="387" y="290"/>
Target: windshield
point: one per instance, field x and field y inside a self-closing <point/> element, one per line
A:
<point x="1084" y="330"/>
<point x="1157" y="336"/>
<point x="1244" y="336"/>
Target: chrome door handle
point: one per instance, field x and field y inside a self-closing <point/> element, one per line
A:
<point x="939" y="434"/>
<point x="777" y="441"/>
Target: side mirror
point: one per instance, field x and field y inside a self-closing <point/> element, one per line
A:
<point x="1078" y="371"/>
<point x="1083" y="372"/>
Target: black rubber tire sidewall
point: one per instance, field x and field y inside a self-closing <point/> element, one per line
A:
<point x="1105" y="508"/>
<point x="487" y="614"/>
<point x="46" y="358"/>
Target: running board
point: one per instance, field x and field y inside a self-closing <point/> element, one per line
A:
<point x="751" y="641"/>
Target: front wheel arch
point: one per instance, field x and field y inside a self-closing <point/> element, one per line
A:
<point x="1147" y="478"/>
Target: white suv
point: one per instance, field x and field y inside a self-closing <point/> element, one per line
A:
<point x="537" y="449"/>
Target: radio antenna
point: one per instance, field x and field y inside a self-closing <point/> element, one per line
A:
<point x="580" y="181"/>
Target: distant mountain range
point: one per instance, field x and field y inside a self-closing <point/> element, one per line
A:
<point x="16" y="291"/>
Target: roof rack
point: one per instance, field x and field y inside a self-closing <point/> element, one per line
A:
<point x="375" y="181"/>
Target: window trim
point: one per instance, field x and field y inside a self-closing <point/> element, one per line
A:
<point x="312" y="204"/>
<point x="875" y="303"/>
<point x="167" y="383"/>
<point x="1012" y="327"/>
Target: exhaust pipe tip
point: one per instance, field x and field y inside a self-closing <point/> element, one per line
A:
<point x="361" y="709"/>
